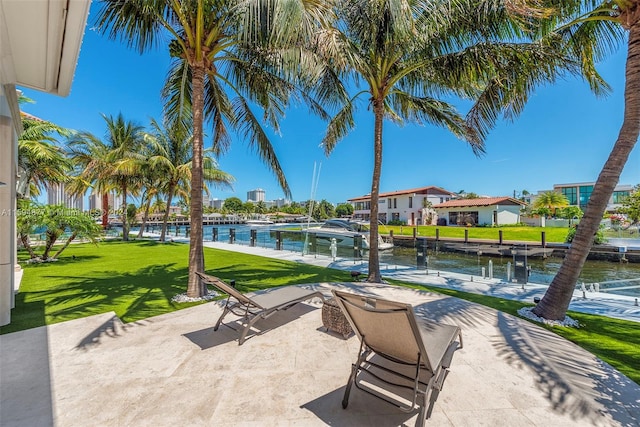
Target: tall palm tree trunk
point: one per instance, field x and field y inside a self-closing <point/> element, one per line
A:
<point x="147" y="207"/>
<point x="105" y="210"/>
<point x="163" y="233"/>
<point x="555" y="302"/>
<point x="374" y="256"/>
<point x="195" y="287"/>
<point x="125" y="222"/>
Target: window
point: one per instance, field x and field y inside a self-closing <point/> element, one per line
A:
<point x="395" y="203"/>
<point x="619" y="196"/>
<point x="585" y="195"/>
<point x="410" y="202"/>
<point x="463" y="218"/>
<point x="389" y="203"/>
<point x="571" y="193"/>
<point x="395" y="216"/>
<point x="441" y="199"/>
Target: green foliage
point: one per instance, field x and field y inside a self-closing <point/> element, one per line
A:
<point x="132" y="211"/>
<point x="248" y="207"/>
<point x="599" y="239"/>
<point x="569" y="212"/>
<point x="631" y="205"/>
<point x="344" y="210"/>
<point x="233" y="204"/>
<point x="323" y="210"/>
<point x="56" y="221"/>
<point x="551" y="200"/>
<point x="397" y="222"/>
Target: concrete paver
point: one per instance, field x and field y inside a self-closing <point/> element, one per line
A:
<point x="175" y="370"/>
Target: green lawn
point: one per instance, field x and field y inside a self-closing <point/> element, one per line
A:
<point x="529" y="234"/>
<point x="137" y="279"/>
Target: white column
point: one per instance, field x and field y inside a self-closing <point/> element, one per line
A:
<point x="8" y="140"/>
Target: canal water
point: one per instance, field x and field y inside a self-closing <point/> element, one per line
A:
<point x="542" y="270"/>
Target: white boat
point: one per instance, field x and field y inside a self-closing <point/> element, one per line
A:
<point x="259" y="222"/>
<point x="344" y="230"/>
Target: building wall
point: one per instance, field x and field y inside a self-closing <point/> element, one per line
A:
<point x="403" y="207"/>
<point x="8" y="165"/>
<point x="578" y="194"/>
<point x="508" y="215"/>
<point x="505" y="214"/>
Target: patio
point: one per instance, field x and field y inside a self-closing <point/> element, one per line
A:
<point x="174" y="370"/>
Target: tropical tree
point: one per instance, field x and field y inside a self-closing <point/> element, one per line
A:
<point x="171" y="160"/>
<point x="233" y="204"/>
<point x="28" y="218"/>
<point x="570" y="212"/>
<point x="79" y="225"/>
<point x="550" y="200"/>
<point x="41" y="161"/>
<point x="57" y="219"/>
<point x="218" y="44"/>
<point x="414" y="55"/>
<point x="631" y="205"/>
<point x="344" y="209"/>
<point x="590" y="27"/>
<point x="261" y="207"/>
<point x="112" y="163"/>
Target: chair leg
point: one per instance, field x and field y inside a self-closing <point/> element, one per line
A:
<point x="224" y="313"/>
<point x="347" y="390"/>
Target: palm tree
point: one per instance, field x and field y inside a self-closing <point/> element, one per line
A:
<point x="218" y="44"/>
<point x="170" y="157"/>
<point x="112" y="163"/>
<point x="551" y="200"/>
<point x="40" y="160"/>
<point x="601" y="26"/>
<point x="412" y="55"/>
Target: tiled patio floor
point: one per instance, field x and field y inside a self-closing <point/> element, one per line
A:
<point x="175" y="370"/>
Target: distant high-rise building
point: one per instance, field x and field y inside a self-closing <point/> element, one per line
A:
<point x="256" y="195"/>
<point x="95" y="201"/>
<point x="216" y="203"/>
<point x="282" y="202"/>
<point x="57" y="195"/>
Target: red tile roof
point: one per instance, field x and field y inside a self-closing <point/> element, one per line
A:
<point x="485" y="201"/>
<point x="421" y="190"/>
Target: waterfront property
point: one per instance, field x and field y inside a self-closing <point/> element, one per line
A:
<point x="493" y="211"/>
<point x="39" y="46"/>
<point x="578" y="194"/>
<point x="412" y="206"/>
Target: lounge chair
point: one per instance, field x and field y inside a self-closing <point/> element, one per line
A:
<point x="260" y="306"/>
<point x="398" y="352"/>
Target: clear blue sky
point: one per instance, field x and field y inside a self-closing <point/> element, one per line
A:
<point x="563" y="136"/>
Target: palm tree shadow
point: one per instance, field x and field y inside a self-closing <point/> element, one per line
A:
<point x="232" y="326"/>
<point x="573" y="380"/>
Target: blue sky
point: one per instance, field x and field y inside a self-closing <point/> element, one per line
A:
<point x="564" y="134"/>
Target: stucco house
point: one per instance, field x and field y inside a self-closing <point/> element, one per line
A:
<point x="413" y="206"/>
<point x="483" y="211"/>
<point x="39" y="47"/>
